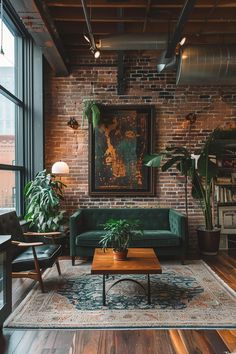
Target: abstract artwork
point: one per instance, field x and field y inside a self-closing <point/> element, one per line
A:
<point x="117" y="148"/>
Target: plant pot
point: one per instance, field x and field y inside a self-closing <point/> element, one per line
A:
<point x="208" y="241"/>
<point x="120" y="255"/>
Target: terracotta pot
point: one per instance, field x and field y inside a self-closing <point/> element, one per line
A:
<point x="120" y="255"/>
<point x="208" y="241"/>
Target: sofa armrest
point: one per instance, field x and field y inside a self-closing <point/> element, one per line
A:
<point x="76" y="226"/>
<point x="178" y="224"/>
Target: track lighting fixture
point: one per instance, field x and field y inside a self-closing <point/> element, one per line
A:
<point x="97" y="53"/>
<point x="86" y="37"/>
<point x="183" y="40"/>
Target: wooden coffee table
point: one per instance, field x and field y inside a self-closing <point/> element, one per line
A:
<point x="139" y="261"/>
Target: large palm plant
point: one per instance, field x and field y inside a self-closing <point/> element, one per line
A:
<point x="201" y="176"/>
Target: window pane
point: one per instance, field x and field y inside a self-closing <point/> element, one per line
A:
<point x="11" y="62"/>
<point x="8" y="190"/>
<point x="8" y="111"/>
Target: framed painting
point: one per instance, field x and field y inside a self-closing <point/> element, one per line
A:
<point x="116" y="151"/>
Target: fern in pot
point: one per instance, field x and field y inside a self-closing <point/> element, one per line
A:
<point x="43" y="197"/>
<point x="119" y="233"/>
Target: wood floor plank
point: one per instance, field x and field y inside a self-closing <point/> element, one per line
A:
<point x="121" y="341"/>
<point x="215" y="342"/>
<point x="25" y="344"/>
<point x="177" y="342"/>
<point x="229" y="337"/>
<point x="13" y="338"/>
<point x="195" y="342"/>
<point x="225" y="267"/>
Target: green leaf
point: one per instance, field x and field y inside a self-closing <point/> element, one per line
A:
<point x="170" y="163"/>
<point x="153" y="160"/>
<point x="95" y="115"/>
<point x="206" y="167"/>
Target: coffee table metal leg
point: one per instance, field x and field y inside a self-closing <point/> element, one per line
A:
<point x="149" y="290"/>
<point x="104" y="290"/>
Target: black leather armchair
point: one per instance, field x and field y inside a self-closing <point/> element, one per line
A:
<point x="29" y="259"/>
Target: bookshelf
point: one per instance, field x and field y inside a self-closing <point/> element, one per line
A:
<point x="225" y="187"/>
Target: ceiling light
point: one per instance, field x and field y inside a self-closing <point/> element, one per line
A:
<point x="97" y="54"/>
<point x="183" y="40"/>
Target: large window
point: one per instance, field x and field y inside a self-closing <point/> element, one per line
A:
<point x="11" y="120"/>
<point x="21" y="111"/>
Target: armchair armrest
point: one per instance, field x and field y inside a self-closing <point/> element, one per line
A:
<point x="30" y="244"/>
<point x="76" y="226"/>
<point x="51" y="234"/>
<point x="26" y="244"/>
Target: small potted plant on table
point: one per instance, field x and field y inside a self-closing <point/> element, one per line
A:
<point x="119" y="234"/>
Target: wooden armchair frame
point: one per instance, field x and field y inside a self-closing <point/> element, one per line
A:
<point x="37" y="274"/>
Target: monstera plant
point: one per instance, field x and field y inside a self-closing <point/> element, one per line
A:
<point x="43" y="197"/>
<point x="201" y="172"/>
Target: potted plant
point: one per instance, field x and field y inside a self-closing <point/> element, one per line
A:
<point x="43" y="196"/>
<point x="119" y="234"/>
<point x="202" y="172"/>
<point x="92" y="112"/>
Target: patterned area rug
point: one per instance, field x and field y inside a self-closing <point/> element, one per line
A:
<point x="183" y="296"/>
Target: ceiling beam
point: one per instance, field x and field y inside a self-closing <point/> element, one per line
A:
<point x="108" y="28"/>
<point x="178" y="32"/>
<point x="160" y="19"/>
<point x="137" y="3"/>
<point x="39" y="24"/>
<point x="139" y="14"/>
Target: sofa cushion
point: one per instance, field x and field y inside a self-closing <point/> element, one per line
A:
<point x="150" y="219"/>
<point x="150" y="238"/>
<point x="89" y="238"/>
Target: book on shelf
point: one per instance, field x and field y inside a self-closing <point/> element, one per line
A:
<point x="224" y="195"/>
<point x="224" y="180"/>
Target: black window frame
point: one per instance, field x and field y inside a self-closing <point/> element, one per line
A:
<point x="24" y="101"/>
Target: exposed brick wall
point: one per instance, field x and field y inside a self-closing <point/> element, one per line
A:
<point x="63" y="98"/>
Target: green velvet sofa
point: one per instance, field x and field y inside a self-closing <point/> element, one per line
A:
<point x="165" y="230"/>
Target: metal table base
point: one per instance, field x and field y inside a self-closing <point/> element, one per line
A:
<point x="104" y="292"/>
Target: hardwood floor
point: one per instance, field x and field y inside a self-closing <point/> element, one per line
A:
<point x="171" y="341"/>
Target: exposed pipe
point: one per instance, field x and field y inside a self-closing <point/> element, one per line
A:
<point x="207" y="65"/>
<point x="133" y="41"/>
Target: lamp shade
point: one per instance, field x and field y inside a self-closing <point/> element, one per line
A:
<point x="60" y="168"/>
